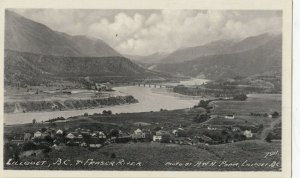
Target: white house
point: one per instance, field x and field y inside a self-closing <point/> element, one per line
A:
<point x="95" y="145"/>
<point x="102" y="135"/>
<point x="211" y="128"/>
<point x="175" y="132"/>
<point x="37" y="134"/>
<point x="138" y="134"/>
<point x="102" y="86"/>
<point x="83" y="144"/>
<point x="94" y="134"/>
<point x="70" y="136"/>
<point x="248" y="133"/>
<point x="59" y="132"/>
<point x="229" y="116"/>
<point x="179" y="132"/>
<point x="235" y="129"/>
<point x="138" y="131"/>
<point x="157" y="138"/>
<point x="79" y="136"/>
<point x="161" y="136"/>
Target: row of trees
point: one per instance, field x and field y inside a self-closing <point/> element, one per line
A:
<point x="104" y="112"/>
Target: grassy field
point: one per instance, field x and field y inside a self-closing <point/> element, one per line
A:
<point x="261" y="104"/>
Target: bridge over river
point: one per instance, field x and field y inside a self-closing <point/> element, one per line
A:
<point x="148" y="85"/>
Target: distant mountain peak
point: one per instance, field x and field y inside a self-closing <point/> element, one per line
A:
<point x="25" y="35"/>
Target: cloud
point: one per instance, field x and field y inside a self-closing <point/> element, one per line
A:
<point x="149" y="31"/>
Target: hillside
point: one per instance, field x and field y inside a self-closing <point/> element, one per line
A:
<point x="35" y="69"/>
<point x="154" y="156"/>
<point x="24" y="35"/>
<point x="217" y="48"/>
<point x="264" y="58"/>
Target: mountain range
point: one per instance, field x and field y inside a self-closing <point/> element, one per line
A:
<point x="35" y="54"/>
<point x="250" y="56"/>
<point x="216" y="48"/>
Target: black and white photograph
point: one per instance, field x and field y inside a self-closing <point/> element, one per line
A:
<point x="143" y="90"/>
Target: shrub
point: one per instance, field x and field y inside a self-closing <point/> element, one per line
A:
<point x="269" y="138"/>
<point x="201" y="118"/>
<point x="241" y="97"/>
<point x="29" y="146"/>
<point x="113" y="155"/>
<point x="275" y="114"/>
<point x="203" y="103"/>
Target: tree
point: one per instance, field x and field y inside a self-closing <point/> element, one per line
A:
<point x="29" y="146"/>
<point x="261" y="126"/>
<point x="236" y="136"/>
<point x="114" y="133"/>
<point x="109" y="112"/>
<point x="241" y="97"/>
<point x="201" y="118"/>
<point x="33" y="121"/>
<point x="275" y="114"/>
<point x="157" y="128"/>
<point x="243" y="137"/>
<point x="85" y="114"/>
<point x="87" y="138"/>
<point x="203" y="103"/>
<point x="113" y="155"/>
<point x="224" y="132"/>
<point x="269" y="138"/>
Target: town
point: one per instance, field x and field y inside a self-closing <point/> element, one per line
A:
<point x="47" y="136"/>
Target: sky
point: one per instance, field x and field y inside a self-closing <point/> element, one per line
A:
<point x="144" y="32"/>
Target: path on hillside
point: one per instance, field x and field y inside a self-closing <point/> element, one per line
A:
<point x="211" y="118"/>
<point x="267" y="130"/>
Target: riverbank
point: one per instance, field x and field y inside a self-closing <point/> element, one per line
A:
<point x="148" y="100"/>
<point x="69" y="104"/>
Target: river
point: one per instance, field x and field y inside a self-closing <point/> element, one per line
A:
<point x="150" y="99"/>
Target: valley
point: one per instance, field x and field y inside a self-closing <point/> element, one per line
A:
<point x="213" y="106"/>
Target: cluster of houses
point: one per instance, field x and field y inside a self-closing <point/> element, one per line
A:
<point x="272" y="115"/>
<point x="101" y="86"/>
<point x="58" y="138"/>
<point x="89" y="138"/>
<point x="247" y="132"/>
